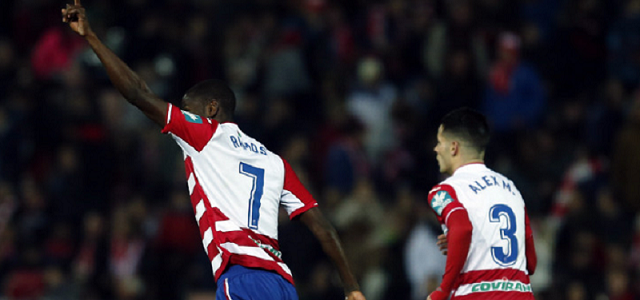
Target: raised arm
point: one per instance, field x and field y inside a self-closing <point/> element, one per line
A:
<point x="123" y="78"/>
<point x="326" y="234"/>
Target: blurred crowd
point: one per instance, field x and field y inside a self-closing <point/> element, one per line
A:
<point x="93" y="199"/>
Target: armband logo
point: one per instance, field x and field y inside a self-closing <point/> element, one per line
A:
<point x="440" y="201"/>
<point x="191" y="117"/>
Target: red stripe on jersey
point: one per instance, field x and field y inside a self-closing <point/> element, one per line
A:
<point x="491" y="275"/>
<point x="496" y="296"/>
<point x="197" y="131"/>
<point x="292" y="184"/>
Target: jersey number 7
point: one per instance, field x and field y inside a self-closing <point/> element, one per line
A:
<point x="257" y="174"/>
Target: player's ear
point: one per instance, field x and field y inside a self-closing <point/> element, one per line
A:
<point x="212" y="108"/>
<point x="455" y="148"/>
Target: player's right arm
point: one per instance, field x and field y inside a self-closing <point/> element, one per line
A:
<point x="127" y="82"/>
<point x="457" y="241"/>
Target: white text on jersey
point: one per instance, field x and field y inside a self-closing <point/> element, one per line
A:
<point x="478" y="187"/>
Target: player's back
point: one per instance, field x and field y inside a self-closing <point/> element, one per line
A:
<point x="496" y="261"/>
<point x="242" y="178"/>
<point x="236" y="187"/>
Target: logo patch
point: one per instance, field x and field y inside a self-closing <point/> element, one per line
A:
<point x="440" y="201"/>
<point x="191" y="117"/>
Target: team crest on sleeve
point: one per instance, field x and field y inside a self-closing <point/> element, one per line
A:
<point x="440" y="201"/>
<point x="191" y="117"/>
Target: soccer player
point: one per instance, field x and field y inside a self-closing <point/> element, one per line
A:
<point x="487" y="240"/>
<point x="235" y="183"/>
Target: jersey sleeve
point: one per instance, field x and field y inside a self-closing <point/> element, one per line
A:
<point x="192" y="129"/>
<point x="443" y="201"/>
<point x="451" y="213"/>
<point x="295" y="198"/>
<point x="459" y="242"/>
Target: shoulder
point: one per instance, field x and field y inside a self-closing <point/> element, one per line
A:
<point x="192" y="129"/>
<point x="440" y="196"/>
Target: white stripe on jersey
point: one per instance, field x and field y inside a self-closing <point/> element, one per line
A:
<point x="216" y="262"/>
<point x="200" y="209"/>
<point x="206" y="239"/>
<point x="290" y="201"/>
<point x="246" y="250"/>
<point x="192" y="183"/>
<point x="284" y="267"/>
<point x="226" y="226"/>
<point x="493" y="286"/>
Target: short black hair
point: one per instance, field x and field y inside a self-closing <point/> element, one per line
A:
<point x="214" y="89"/>
<point x="469" y="125"/>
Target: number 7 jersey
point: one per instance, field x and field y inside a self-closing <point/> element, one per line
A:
<point x="496" y="266"/>
<point x="236" y="187"/>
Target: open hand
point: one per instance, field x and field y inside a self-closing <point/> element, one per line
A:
<point x="75" y="16"/>
<point x="355" y="295"/>
<point x="443" y="244"/>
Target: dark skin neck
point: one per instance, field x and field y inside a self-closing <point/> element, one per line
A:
<point x="212" y="110"/>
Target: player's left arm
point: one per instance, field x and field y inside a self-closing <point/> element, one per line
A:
<point x="530" y="249"/>
<point x="127" y="82"/>
<point x="300" y="205"/>
<point x="328" y="237"/>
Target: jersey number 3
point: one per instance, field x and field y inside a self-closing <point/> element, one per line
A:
<point x="507" y="233"/>
<point x="257" y="175"/>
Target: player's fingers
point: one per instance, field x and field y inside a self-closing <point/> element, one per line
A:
<point x="73" y="12"/>
<point x="76" y="2"/>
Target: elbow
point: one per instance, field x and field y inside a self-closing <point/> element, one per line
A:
<point x="325" y="233"/>
<point x="135" y="92"/>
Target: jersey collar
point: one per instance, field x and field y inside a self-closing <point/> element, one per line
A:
<point x="470" y="166"/>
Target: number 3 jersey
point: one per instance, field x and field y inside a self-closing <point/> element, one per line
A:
<point x="495" y="266"/>
<point x="236" y="187"/>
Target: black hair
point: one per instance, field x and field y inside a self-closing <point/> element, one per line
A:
<point x="214" y="89"/>
<point x="469" y="125"/>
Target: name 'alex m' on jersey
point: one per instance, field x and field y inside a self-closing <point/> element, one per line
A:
<point x="490" y="181"/>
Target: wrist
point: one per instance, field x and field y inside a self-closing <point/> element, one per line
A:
<point x="350" y="289"/>
<point x="438" y="295"/>
<point x="90" y="35"/>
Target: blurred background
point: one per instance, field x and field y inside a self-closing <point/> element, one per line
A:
<point x="93" y="199"/>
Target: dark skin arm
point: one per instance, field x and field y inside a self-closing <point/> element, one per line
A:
<point x="326" y="234"/>
<point x="127" y="82"/>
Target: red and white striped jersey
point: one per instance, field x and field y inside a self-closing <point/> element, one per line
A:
<point x="236" y="187"/>
<point x="496" y="264"/>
